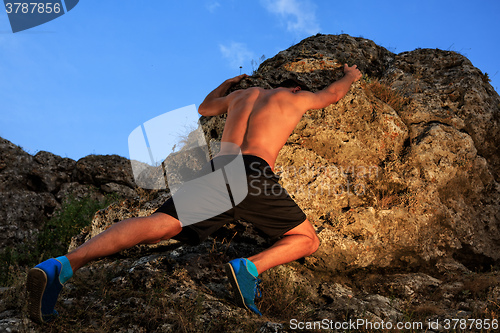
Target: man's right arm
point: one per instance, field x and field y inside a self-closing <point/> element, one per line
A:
<point x="331" y="94"/>
<point x="216" y="102"/>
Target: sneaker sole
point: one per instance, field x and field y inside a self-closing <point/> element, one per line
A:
<point x="36" y="283"/>
<point x="232" y="278"/>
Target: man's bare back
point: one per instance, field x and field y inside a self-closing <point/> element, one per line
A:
<point x="259" y="121"/>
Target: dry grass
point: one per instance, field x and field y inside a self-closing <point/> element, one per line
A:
<point x="389" y="194"/>
<point x="427" y="309"/>
<point x="97" y="303"/>
<point x="283" y="297"/>
<point x="480" y="284"/>
<point x="386" y="94"/>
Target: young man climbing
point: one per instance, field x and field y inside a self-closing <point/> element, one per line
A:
<point x="259" y="122"/>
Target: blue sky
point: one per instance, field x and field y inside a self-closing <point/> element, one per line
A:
<point x="80" y="84"/>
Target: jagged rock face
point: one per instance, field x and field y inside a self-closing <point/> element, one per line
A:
<point x="101" y="170"/>
<point x="408" y="187"/>
<point x="24" y="192"/>
<point x="391" y="186"/>
<point x="445" y="88"/>
<point x="32" y="188"/>
<point x="384" y="184"/>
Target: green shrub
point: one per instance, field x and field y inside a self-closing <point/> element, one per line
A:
<point x="56" y="235"/>
<point x="54" y="238"/>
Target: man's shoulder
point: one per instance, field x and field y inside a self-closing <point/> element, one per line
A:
<point x="288" y="96"/>
<point x="247" y="90"/>
<point x="300" y="101"/>
<point x="242" y="93"/>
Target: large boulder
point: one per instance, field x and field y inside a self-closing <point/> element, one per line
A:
<point x="404" y="170"/>
<point x="33" y="187"/>
<point x="27" y="187"/>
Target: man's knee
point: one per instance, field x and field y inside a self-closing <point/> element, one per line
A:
<point x="310" y="233"/>
<point x="311" y="240"/>
<point x="163" y="227"/>
<point x="314" y="243"/>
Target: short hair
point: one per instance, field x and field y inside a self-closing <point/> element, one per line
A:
<point x="292" y="83"/>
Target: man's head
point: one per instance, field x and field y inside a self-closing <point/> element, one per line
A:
<point x="293" y="85"/>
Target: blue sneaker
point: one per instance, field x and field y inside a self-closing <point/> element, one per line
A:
<point x="245" y="285"/>
<point x="44" y="284"/>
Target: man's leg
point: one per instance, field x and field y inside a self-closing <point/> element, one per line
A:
<point x="124" y="235"/>
<point x="297" y="243"/>
<point x="45" y="280"/>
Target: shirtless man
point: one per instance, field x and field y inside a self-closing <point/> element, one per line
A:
<point x="259" y="122"/>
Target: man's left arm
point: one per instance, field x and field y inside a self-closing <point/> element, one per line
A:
<point x="306" y="100"/>
<point x="216" y="102"/>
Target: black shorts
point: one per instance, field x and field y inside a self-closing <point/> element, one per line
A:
<point x="267" y="205"/>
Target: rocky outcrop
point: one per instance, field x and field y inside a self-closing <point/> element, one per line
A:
<point x="400" y="179"/>
<point x="32" y="188"/>
<point x="403" y="170"/>
<point x="183" y="288"/>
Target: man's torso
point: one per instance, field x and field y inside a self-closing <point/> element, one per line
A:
<point x="259" y="122"/>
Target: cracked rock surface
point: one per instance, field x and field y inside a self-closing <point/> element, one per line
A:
<point x="400" y="179"/>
